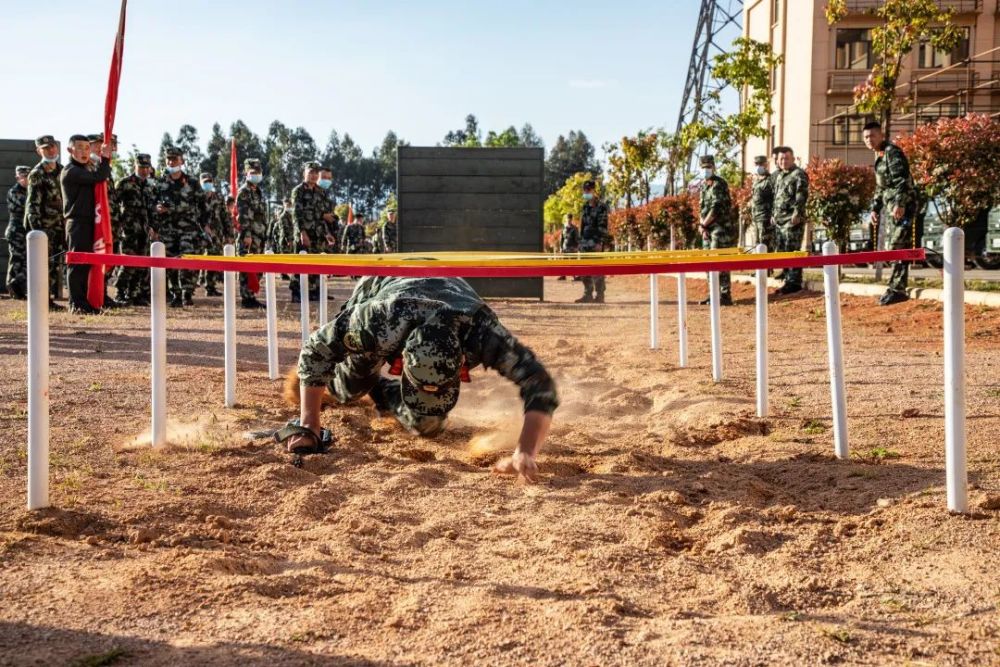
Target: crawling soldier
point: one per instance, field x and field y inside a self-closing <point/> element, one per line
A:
<point x="430" y="332"/>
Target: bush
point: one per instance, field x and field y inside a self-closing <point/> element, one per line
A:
<point x="838" y="195"/>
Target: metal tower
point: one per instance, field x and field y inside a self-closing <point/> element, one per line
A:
<point x="716" y="18"/>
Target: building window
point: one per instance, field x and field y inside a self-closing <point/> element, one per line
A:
<point x="848" y="130"/>
<point x="932" y="112"/>
<point x="854" y="49"/>
<point x="930" y="58"/>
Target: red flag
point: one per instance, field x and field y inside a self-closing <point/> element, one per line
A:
<point x="233" y="183"/>
<point x="350" y="214"/>
<point x="102" y="215"/>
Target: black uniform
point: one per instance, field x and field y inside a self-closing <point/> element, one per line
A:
<point x="77" y="182"/>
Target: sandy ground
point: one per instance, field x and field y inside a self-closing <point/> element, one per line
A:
<point x="670" y="527"/>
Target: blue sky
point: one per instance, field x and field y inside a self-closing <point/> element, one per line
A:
<point x="358" y="67"/>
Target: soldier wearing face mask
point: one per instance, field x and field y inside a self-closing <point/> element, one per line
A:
<point x="791" y="192"/>
<point x="43" y="209"/>
<point x="180" y="219"/>
<point x="135" y="230"/>
<point x="716" y="220"/>
<point x="308" y="204"/>
<point x="252" y="209"/>
<point x="762" y="202"/>
<point x="330" y="220"/>
<point x="17" y="265"/>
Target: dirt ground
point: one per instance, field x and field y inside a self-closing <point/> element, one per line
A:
<point x="670" y="526"/>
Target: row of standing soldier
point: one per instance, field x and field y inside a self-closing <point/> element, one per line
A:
<point x="189" y="216"/>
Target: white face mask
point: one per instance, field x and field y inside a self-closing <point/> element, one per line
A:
<point x="707" y="173"/>
<point x="762" y="171"/>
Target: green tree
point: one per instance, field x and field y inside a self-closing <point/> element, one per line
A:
<point x="471" y="136"/>
<point x="571" y="154"/>
<point x="187" y="141"/>
<point x="165" y="142"/>
<point x="747" y="68"/>
<point x="248" y="145"/>
<point x="633" y="164"/>
<point x="288" y="150"/>
<point x="567" y="200"/>
<point x="216" y="152"/>
<point x="902" y="25"/>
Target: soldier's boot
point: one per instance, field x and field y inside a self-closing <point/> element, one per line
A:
<point x="726" y="300"/>
<point x="176" y="300"/>
<point x="296" y="298"/>
<point x="188" y="300"/>
<point x="211" y="290"/>
<point x="17" y="292"/>
<point x="586" y="298"/>
<point x="890" y="298"/>
<point x="599" y="298"/>
<point x="251" y="302"/>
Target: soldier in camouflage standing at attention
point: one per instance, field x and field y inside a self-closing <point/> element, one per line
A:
<point x="17" y="247"/>
<point x="134" y="230"/>
<point x="791" y="190"/>
<point x="352" y="239"/>
<point x="895" y="206"/>
<point x="180" y="221"/>
<point x="386" y="237"/>
<point x="594" y="237"/>
<point x="252" y="209"/>
<point x="219" y="227"/>
<point x="330" y="239"/>
<point x="762" y="202"/>
<point x="308" y="204"/>
<point x="43" y="209"/>
<point x="716" y="221"/>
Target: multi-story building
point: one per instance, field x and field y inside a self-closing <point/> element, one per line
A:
<point x="813" y="88"/>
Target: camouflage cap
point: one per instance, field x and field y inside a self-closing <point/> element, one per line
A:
<point x="252" y="164"/>
<point x="21" y="170"/>
<point x="173" y="151"/>
<point x="45" y="140"/>
<point x="313" y="166"/>
<point x="760" y="160"/>
<point x="143" y="160"/>
<point x="432" y="358"/>
<point x="708" y="160"/>
<point x="95" y="138"/>
<point x="205" y="176"/>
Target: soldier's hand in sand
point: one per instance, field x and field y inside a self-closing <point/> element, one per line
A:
<point x="520" y="464"/>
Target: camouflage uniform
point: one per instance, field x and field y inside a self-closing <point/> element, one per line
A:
<point x="352" y="239"/>
<point x="715" y="199"/>
<point x="761" y="209"/>
<point x="220" y="226"/>
<point x="253" y="225"/>
<point x="894" y="187"/>
<point x="432" y="324"/>
<point x="181" y="226"/>
<point x="570" y="238"/>
<point x="330" y="229"/>
<point x="43" y="209"/>
<point x="385" y="238"/>
<point x="134" y="215"/>
<point x="284" y="232"/>
<point x="594" y="237"/>
<point x="791" y="190"/>
<point x="308" y="205"/>
<point x="17" y="247"/>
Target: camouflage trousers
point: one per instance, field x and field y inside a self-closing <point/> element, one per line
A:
<point x="293" y="280"/>
<point x="788" y="238"/>
<point x="719" y="237"/>
<point x="256" y="248"/>
<point x="181" y="281"/>
<point x="592" y="284"/>
<point x="898" y="236"/>
<point x="764" y="232"/>
<point x="57" y="259"/>
<point x="17" y="264"/>
<point x="132" y="282"/>
<point x="211" y="279"/>
<point x="354" y="378"/>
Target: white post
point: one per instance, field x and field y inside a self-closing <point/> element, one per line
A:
<point x="38" y="370"/>
<point x="270" y="300"/>
<point x="229" y="317"/>
<point x="654" y="311"/>
<point x="158" y="348"/>
<point x="954" y="370"/>
<point x="761" y="302"/>
<point x="835" y="348"/>
<point x="716" y="321"/>
<point x="322" y="300"/>
<point x="304" y="305"/>
<point x="682" y="321"/>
